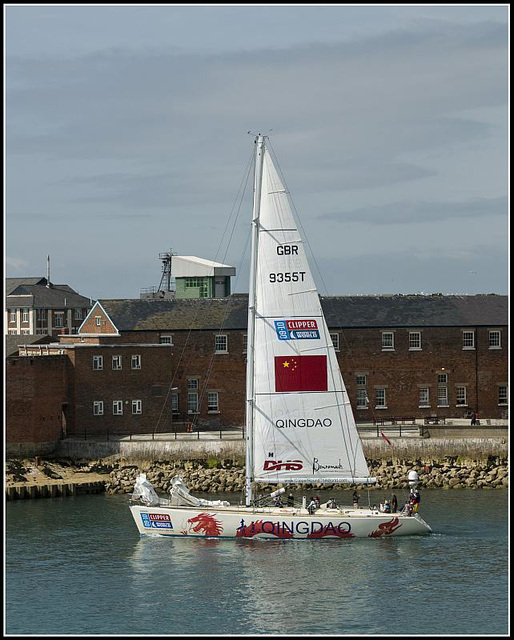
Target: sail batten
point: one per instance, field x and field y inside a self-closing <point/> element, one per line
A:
<point x="303" y="426"/>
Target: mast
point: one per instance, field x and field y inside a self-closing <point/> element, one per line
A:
<point x="259" y="159"/>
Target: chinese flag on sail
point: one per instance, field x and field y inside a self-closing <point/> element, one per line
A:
<point x="300" y="373"/>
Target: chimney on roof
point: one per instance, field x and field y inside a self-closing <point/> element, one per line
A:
<point x="48" y="283"/>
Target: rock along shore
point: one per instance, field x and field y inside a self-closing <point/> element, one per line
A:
<point x="225" y="476"/>
<point x="216" y="476"/>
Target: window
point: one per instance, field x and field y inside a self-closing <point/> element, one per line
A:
<point x="414" y="340"/>
<point x="59" y="319"/>
<point x="495" y="339"/>
<point x="198" y="283"/>
<point x="462" y="395"/>
<point x="503" y="394"/>
<point x="362" y="399"/>
<point x="98" y="320"/>
<point x="166" y="339"/>
<point x="41" y="317"/>
<point x="192" y="396"/>
<point x="98" y="408"/>
<point x="380" y="398"/>
<point x="24" y="315"/>
<point x="117" y="407"/>
<point x="98" y="363"/>
<point x="116" y="363"/>
<point x="442" y="396"/>
<point x="387" y="341"/>
<point x="135" y="362"/>
<point x="442" y="389"/>
<point x="192" y="402"/>
<point x="468" y="339"/>
<point x="362" y="395"/>
<point x="137" y="407"/>
<point x="78" y="314"/>
<point x="221" y="344"/>
<point x="424" y="397"/>
<point x="13" y="332"/>
<point x="25" y="332"/>
<point x="212" y="401"/>
<point x="12" y="316"/>
<point x="335" y="340"/>
<point x="157" y="390"/>
<point x="174" y="403"/>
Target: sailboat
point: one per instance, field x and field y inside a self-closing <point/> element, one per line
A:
<point x="300" y="426"/>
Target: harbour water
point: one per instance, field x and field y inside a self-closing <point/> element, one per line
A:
<point x="77" y="566"/>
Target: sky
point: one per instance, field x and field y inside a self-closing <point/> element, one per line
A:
<point x="126" y="134"/>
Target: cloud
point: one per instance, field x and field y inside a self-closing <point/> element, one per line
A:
<point x="422" y="212"/>
<point x="156" y="138"/>
<point x="117" y="102"/>
<point x="16" y="263"/>
<point x="482" y="269"/>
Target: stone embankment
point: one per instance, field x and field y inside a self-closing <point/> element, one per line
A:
<point x="227" y="476"/>
<point x="55" y="477"/>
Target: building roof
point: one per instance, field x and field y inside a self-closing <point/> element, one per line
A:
<point x="191" y="266"/>
<point x="13" y="342"/>
<point x="340" y="312"/>
<point x="33" y="293"/>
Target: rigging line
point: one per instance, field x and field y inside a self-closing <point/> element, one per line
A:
<point x="354" y="450"/>
<point x="241" y="190"/>
<point x="230" y="300"/>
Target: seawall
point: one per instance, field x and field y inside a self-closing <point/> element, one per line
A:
<point x="374" y="448"/>
<point x="218" y="465"/>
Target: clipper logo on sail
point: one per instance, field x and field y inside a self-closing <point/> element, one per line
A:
<point x="297" y="329"/>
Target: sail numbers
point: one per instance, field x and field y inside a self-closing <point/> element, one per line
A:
<point x="287" y="250"/>
<point x="287" y="276"/>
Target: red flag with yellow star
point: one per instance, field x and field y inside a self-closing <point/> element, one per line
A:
<point x="300" y="373"/>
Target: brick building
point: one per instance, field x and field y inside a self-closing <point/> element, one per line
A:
<point x="139" y="366"/>
<point x="36" y="401"/>
<point x="36" y="306"/>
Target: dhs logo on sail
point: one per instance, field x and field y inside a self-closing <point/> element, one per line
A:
<point x="304" y="329"/>
<point x="279" y="465"/>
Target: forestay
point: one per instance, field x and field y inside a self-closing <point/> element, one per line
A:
<point x="303" y="425"/>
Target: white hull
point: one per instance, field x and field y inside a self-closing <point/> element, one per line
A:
<point x="274" y="523"/>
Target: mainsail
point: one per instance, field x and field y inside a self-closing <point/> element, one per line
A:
<point x="303" y="429"/>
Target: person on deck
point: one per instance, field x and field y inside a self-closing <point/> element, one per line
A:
<point x="311" y="507"/>
<point x="277" y="501"/>
<point x="355" y="500"/>
<point x="416" y="499"/>
<point x="394" y="504"/>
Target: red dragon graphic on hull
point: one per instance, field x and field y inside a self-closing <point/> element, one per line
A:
<point x="386" y="528"/>
<point x="205" y="522"/>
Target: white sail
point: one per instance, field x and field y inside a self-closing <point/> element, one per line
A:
<point x="303" y="425"/>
